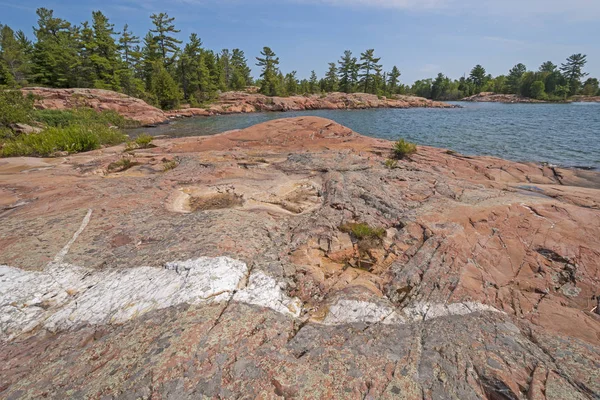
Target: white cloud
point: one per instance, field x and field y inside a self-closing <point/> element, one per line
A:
<point x="580" y="9"/>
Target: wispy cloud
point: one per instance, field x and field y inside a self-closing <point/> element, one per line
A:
<point x="580" y="9"/>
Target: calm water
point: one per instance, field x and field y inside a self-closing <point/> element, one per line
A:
<point x="561" y="134"/>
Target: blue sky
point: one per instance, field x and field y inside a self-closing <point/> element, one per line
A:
<point x="421" y="37"/>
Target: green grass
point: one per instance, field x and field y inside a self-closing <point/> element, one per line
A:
<point x="70" y="139"/>
<point x="403" y="149"/>
<point x="362" y="231"/>
<point x="82" y="116"/>
<point x="391" y="164"/>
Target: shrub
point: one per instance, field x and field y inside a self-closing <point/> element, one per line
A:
<point x="143" y="141"/>
<point x="82" y="116"/>
<point x="362" y="231"/>
<point x="403" y="149"/>
<point x="73" y="139"/>
<point x="70" y="139"/>
<point x="15" y="108"/>
<point x="391" y="164"/>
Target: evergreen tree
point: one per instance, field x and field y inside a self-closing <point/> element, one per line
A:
<point x="54" y="55"/>
<point x="547" y="66"/>
<point x="164" y="88"/>
<point x="393" y="79"/>
<point x="129" y="47"/>
<point x="291" y="83"/>
<point x="572" y="71"/>
<point x="330" y="83"/>
<point x="513" y="81"/>
<point x="348" y="72"/>
<point x="225" y="69"/>
<point x="242" y="75"/>
<point x="104" y="52"/>
<point x="163" y="30"/>
<point x="368" y="68"/>
<point x="591" y="87"/>
<point x="271" y="82"/>
<point x="313" y="83"/>
<point x="14" y="53"/>
<point x="478" y="77"/>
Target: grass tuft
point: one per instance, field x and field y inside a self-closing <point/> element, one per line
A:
<point x="362" y="231"/>
<point x="403" y="149"/>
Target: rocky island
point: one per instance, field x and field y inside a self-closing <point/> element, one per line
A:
<point x="227" y="103"/>
<point x="296" y="259"/>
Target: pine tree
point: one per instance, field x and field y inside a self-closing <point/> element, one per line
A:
<point x="271" y="81"/>
<point x="54" y="54"/>
<point x="164" y="88"/>
<point x="242" y="75"/>
<point x="368" y="68"/>
<point x="393" y="80"/>
<point x="330" y="83"/>
<point x="14" y="53"/>
<point x="572" y="71"/>
<point x="129" y="48"/>
<point x="167" y="44"/>
<point x="104" y="53"/>
<point x="478" y="77"/>
<point x="348" y="72"/>
<point x="513" y="81"/>
<point x="291" y="83"/>
<point x="313" y="83"/>
<point x="547" y="66"/>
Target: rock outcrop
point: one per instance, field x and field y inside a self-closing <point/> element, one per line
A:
<point x="586" y="99"/>
<point x="241" y="102"/>
<point x="227" y="103"/>
<point x="223" y="267"/>
<point x="127" y="106"/>
<point x="490" y="97"/>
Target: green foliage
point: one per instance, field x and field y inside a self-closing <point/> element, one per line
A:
<point x="391" y="163"/>
<point x="537" y="90"/>
<point x="403" y="149"/>
<point x="271" y="83"/>
<point x="572" y="71"/>
<point x="362" y="231"/>
<point x="348" y="72"/>
<point x="122" y="165"/>
<point x="478" y="77"/>
<point x="143" y="141"/>
<point x="82" y="116"/>
<point x="164" y="88"/>
<point x="15" y="108"/>
<point x="72" y="139"/>
<point x="368" y="67"/>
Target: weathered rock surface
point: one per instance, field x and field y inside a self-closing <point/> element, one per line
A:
<point x="241" y="102"/>
<point x="129" y="107"/>
<point x="229" y="276"/>
<point x="586" y="99"/>
<point x="490" y="97"/>
<point x="227" y="103"/>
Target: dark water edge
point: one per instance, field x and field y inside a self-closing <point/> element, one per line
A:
<point x="566" y="135"/>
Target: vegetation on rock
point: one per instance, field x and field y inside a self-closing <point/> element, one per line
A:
<point x="403" y="149"/>
<point x="65" y="131"/>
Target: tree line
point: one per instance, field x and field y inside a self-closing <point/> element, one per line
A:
<point x="162" y="70"/>
<point x="549" y="82"/>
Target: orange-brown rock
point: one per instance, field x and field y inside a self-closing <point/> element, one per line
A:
<point x="490" y="97"/>
<point x="100" y="100"/>
<point x="480" y="284"/>
<point x="242" y="102"/>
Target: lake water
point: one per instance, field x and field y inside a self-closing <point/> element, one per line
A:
<point x="560" y="134"/>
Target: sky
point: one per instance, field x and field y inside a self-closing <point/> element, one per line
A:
<point x="421" y="37"/>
